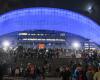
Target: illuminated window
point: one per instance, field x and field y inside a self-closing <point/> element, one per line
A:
<point x="39" y="39"/>
<point x="33" y="34"/>
<point x="38" y="34"/>
<point x="23" y="34"/>
<point x="92" y="48"/>
<point x="62" y="34"/>
<point x="29" y="34"/>
<point x="42" y="34"/>
<point x="43" y="39"/>
<point x="86" y="48"/>
<point x="86" y="44"/>
<point x="24" y="39"/>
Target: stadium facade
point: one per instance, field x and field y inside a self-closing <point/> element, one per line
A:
<point x="49" y="19"/>
<point x="46" y="39"/>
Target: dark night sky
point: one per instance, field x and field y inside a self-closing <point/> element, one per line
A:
<point x="74" y="5"/>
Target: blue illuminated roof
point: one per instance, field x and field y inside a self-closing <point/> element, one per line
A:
<point x="49" y="19"/>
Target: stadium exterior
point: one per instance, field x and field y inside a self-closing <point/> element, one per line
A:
<point x="49" y="19"/>
<point x="46" y="38"/>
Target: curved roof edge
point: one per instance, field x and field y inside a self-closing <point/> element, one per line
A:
<point x="72" y="14"/>
<point x="61" y="12"/>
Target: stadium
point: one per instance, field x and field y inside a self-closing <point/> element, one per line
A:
<point x="49" y="19"/>
<point x="49" y="43"/>
<point x="46" y="39"/>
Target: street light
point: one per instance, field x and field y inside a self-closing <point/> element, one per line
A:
<point x="6" y="45"/>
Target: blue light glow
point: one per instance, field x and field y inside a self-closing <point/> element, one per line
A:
<point x="49" y="19"/>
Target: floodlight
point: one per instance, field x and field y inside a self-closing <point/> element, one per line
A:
<point x="6" y="44"/>
<point x="76" y="45"/>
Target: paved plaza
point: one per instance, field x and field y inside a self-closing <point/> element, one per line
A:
<point x="12" y="78"/>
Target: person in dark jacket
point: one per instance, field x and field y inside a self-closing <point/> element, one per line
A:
<point x="1" y="72"/>
<point x="79" y="74"/>
<point x="90" y="73"/>
<point x="31" y="72"/>
<point x="66" y="74"/>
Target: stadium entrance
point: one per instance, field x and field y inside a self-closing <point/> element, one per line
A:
<point x="41" y="45"/>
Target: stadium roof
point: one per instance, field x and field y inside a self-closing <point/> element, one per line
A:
<point x="49" y="19"/>
<point x="90" y="8"/>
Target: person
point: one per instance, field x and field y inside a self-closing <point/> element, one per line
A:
<point x="44" y="67"/>
<point x="38" y="74"/>
<point x="89" y="73"/>
<point x="31" y="72"/>
<point x="17" y="71"/>
<point x="66" y="74"/>
<point x="97" y="75"/>
<point x="1" y="72"/>
<point x="57" y="71"/>
<point x="79" y="73"/>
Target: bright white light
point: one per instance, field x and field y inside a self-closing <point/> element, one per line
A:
<point x="76" y="45"/>
<point x="6" y="44"/>
<point x="89" y="7"/>
<point x="47" y="50"/>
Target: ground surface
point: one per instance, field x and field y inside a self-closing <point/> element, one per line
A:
<point x="11" y="78"/>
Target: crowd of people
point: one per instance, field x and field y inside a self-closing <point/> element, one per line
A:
<point x="40" y="53"/>
<point x="80" y="73"/>
<point x="87" y="69"/>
